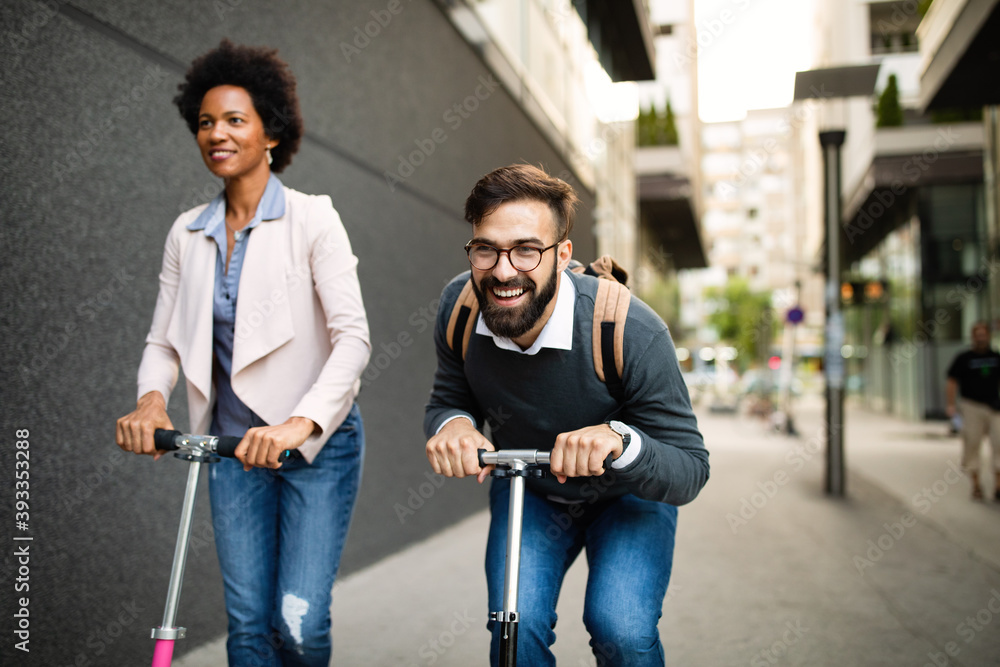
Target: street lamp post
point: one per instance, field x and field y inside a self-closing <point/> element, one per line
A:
<point x="831" y="141"/>
<point x="831" y="83"/>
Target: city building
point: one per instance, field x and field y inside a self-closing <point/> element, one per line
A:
<point x="667" y="169"/>
<point x="915" y="235"/>
<point x="406" y="106"/>
<point x="752" y="193"/>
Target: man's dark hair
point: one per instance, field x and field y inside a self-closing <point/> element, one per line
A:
<point x="521" y="182"/>
<point x="267" y="79"/>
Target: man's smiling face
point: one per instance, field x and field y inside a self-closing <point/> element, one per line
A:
<point x="516" y="304"/>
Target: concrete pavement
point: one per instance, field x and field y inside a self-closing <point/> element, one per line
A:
<point x="767" y="571"/>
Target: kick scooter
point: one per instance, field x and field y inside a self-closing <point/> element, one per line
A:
<point x="517" y="464"/>
<point x="197" y="449"/>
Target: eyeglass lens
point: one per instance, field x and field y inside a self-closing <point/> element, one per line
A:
<point x="522" y="257"/>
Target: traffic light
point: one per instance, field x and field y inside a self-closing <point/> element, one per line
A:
<point x="854" y="293"/>
<point x="847" y="292"/>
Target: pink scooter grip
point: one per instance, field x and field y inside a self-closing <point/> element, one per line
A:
<point x="163" y="653"/>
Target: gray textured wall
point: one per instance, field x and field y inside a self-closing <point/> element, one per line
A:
<point x="95" y="163"/>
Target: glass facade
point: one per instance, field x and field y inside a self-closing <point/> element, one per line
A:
<point x="936" y="270"/>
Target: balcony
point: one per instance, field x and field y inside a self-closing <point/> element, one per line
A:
<point x="960" y="54"/>
<point x="667" y="204"/>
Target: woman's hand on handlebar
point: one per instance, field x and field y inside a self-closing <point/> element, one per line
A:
<point x="453" y="452"/>
<point x="264" y="447"/>
<point x="134" y="431"/>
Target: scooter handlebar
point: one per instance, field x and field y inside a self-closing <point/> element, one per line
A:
<point x="531" y="457"/>
<point x="172" y="440"/>
<point x="506" y="457"/>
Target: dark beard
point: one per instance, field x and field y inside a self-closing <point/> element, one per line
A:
<point x="514" y="322"/>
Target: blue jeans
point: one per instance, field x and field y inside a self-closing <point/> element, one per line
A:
<point x="630" y="545"/>
<point x="279" y="535"/>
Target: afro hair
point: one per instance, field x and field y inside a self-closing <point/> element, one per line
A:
<point x="267" y="79"/>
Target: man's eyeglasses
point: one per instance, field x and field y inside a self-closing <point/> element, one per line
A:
<point x="521" y="257"/>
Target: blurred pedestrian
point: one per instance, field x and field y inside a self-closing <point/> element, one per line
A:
<point x="973" y="392"/>
<point x="259" y="304"/>
<point x="529" y="371"/>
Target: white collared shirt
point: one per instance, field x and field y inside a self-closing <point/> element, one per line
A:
<point x="558" y="335"/>
<point x="557" y="332"/>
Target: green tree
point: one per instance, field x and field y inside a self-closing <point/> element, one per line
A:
<point x="668" y="127"/>
<point x="743" y="318"/>
<point x="646" y="126"/>
<point x="889" y="112"/>
<point x="657" y="129"/>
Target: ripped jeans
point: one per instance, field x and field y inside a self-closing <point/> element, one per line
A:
<point x="279" y="535"/>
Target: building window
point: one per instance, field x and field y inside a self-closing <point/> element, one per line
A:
<point x="894" y="26"/>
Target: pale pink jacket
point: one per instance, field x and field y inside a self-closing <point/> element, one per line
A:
<point x="301" y="335"/>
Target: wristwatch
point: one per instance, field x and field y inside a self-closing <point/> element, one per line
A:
<point x="622" y="430"/>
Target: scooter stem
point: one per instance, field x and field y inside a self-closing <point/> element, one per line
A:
<point x="166" y="633"/>
<point x="508" y="617"/>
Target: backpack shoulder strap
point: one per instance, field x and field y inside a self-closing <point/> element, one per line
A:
<point x="463" y="314"/>
<point x="610" y="313"/>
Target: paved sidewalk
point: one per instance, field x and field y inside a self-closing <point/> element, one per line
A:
<point x="767" y="570"/>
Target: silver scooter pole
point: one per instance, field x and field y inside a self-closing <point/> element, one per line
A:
<point x="516" y="464"/>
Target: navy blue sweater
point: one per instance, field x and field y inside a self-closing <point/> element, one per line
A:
<point x="529" y="399"/>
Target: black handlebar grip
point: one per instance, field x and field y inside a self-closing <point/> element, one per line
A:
<point x="164" y="439"/>
<point x="479" y="455"/>
<point x="227" y="446"/>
